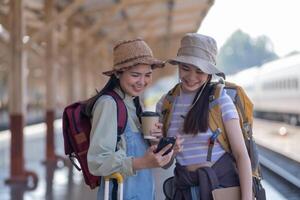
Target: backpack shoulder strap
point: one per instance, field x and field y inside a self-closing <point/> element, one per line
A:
<point x="215" y="121"/>
<point x="167" y="107"/>
<point x="243" y="106"/>
<point x="122" y="114"/>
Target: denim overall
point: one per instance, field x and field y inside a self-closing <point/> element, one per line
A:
<point x="141" y="185"/>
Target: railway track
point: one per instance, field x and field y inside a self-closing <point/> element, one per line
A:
<point x="281" y="172"/>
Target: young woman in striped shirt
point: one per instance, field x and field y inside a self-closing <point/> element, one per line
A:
<point x="189" y="120"/>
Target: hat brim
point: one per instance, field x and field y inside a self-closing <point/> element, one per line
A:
<point x="153" y="62"/>
<point x="201" y="64"/>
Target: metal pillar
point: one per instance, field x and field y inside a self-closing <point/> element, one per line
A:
<point x="17" y="102"/>
<point x="51" y="74"/>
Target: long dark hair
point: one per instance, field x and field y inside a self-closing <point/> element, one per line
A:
<point x="112" y="83"/>
<point x="197" y="118"/>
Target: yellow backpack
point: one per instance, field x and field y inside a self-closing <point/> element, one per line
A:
<point x="244" y="108"/>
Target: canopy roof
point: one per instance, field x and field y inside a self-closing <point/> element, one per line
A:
<point x="103" y="22"/>
<point x="83" y="32"/>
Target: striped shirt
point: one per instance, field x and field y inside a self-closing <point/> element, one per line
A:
<point x="195" y="147"/>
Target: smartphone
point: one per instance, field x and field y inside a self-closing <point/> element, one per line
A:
<point x="164" y="142"/>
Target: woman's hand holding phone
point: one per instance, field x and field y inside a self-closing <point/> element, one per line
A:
<point x="163" y="142"/>
<point x="152" y="159"/>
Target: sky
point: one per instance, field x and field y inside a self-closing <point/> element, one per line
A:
<point x="277" y="19"/>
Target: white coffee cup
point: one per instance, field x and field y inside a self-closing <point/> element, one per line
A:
<point x="149" y="119"/>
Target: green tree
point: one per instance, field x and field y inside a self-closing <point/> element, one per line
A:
<point x="241" y="51"/>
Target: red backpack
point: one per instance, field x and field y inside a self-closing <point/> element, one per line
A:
<point x="76" y="133"/>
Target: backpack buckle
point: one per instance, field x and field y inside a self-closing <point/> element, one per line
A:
<point x="164" y="112"/>
<point x="73" y="160"/>
<point x="214" y="136"/>
<point x="246" y="127"/>
<point x="211" y="142"/>
<point x="211" y="98"/>
<point x="221" y="80"/>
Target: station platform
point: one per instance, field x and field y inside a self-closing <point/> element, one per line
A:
<point x="279" y="137"/>
<point x="62" y="182"/>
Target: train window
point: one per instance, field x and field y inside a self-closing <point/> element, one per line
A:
<point x="279" y="84"/>
<point x="293" y="83"/>
<point x="285" y="85"/>
<point x="290" y="83"/>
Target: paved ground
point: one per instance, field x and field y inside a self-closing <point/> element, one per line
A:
<point x="65" y="183"/>
<point x="62" y="183"/>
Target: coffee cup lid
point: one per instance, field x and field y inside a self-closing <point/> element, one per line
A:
<point x="149" y="114"/>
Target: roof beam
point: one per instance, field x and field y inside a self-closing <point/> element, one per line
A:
<point x="58" y="19"/>
<point x="149" y="27"/>
<point x="99" y="9"/>
<point x="161" y="15"/>
<point x="87" y="34"/>
<point x="129" y="19"/>
<point x="100" y="23"/>
<point x="149" y="20"/>
<point x="114" y="9"/>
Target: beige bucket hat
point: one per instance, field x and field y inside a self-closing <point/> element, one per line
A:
<point x="128" y="53"/>
<point x="200" y="51"/>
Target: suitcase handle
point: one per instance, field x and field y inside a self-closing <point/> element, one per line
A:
<point x="116" y="176"/>
<point x="119" y="179"/>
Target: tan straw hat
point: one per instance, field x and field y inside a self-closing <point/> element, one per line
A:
<point x="129" y="53"/>
<point x="198" y="50"/>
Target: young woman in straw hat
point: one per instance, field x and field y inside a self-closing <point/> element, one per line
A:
<point x="131" y="155"/>
<point x="196" y="60"/>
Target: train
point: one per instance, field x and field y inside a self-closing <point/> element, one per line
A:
<point x="274" y="88"/>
